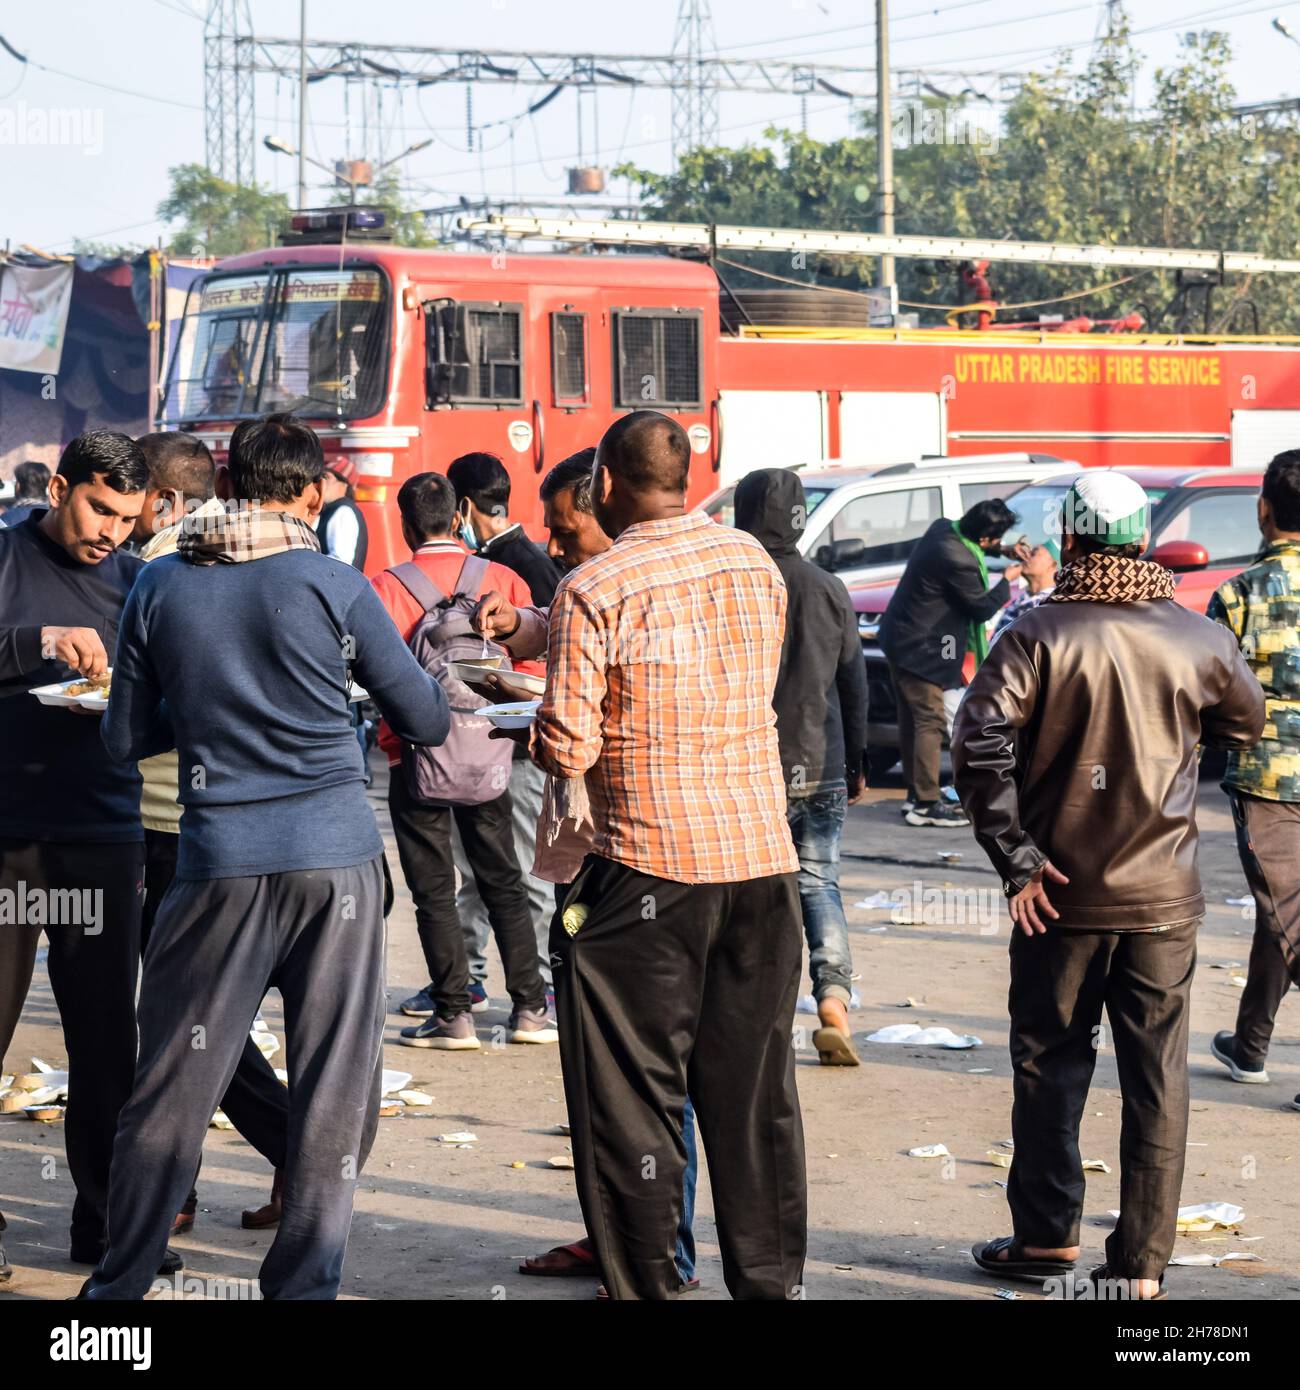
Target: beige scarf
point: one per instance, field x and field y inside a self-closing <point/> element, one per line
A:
<point x="247" y="533"/>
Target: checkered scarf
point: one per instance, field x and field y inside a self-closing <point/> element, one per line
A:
<point x="1100" y="578"/>
<point x="248" y="533"/>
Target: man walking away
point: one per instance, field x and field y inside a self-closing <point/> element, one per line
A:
<point x="821" y="726"/>
<point x="937" y="613"/>
<point x="278" y="879"/>
<point x="423" y="828"/>
<point x="69" y="813"/>
<point x="677" y="961"/>
<point x="1261" y="608"/>
<point x="1075" y="754"/>
<point x="181" y="486"/>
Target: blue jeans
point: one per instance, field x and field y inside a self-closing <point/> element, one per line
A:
<point x="816" y="823"/>
<point x="685" y="1233"/>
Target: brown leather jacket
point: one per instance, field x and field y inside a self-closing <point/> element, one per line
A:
<point x="1076" y="742"/>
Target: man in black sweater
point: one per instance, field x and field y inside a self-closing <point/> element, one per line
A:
<point x="938" y="611"/>
<point x="483" y="498"/>
<point x="70" y="831"/>
<point x="821" y="725"/>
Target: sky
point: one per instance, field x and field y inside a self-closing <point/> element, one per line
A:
<point x="125" y="81"/>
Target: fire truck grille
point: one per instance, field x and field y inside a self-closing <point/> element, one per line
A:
<point x="658" y="358"/>
<point x="569" y="356"/>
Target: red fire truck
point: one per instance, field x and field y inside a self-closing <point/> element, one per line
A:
<point x="403" y="359"/>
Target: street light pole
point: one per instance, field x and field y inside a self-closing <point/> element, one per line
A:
<point x="884" y="139"/>
<point x="302" y="103"/>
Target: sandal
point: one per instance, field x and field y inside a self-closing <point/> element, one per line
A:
<point x="834" y="1049"/>
<point x="580" y="1262"/>
<point x="1017" y="1265"/>
<point x="1103" y="1272"/>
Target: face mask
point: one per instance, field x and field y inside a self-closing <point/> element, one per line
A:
<point x="467" y="533"/>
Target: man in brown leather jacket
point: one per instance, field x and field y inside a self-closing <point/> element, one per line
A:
<point x="1075" y="758"/>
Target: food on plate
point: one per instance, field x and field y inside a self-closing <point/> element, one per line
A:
<point x="98" y="685"/>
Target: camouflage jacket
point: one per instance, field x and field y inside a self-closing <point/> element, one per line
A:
<point x="1261" y="607"/>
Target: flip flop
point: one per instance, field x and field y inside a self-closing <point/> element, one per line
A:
<point x="1017" y="1265"/>
<point x="584" y="1266"/>
<point x="1096" y="1276"/>
<point x="834" y="1049"/>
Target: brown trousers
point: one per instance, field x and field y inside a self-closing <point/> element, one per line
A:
<point x="1060" y="982"/>
<point x="922" y="724"/>
<point x="1268" y="840"/>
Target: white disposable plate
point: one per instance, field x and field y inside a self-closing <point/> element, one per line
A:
<point x="357" y="694"/>
<point x="57" y="694"/>
<point x="515" y="715"/>
<point x="473" y="675"/>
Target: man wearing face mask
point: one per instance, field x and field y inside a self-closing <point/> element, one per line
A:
<point x="483" y="510"/>
<point x="937" y="613"/>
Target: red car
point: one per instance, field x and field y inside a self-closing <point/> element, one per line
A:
<point x="1203" y="527"/>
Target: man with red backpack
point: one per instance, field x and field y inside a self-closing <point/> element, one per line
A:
<point x="430" y="598"/>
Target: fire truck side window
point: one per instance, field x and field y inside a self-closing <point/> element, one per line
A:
<point x="569" y="359"/>
<point x="886" y="525"/>
<point x="474" y="353"/>
<point x="658" y="356"/>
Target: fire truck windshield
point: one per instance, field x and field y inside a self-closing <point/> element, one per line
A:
<point x="312" y="341"/>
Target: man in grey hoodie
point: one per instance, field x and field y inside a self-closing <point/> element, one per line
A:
<point x="821" y="725"/>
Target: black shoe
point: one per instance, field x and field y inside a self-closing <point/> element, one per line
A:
<point x="1224" y="1047"/>
<point x="937" y="813"/>
<point x="171" y="1261"/>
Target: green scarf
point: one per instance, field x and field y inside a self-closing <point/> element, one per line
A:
<point x="977" y="638"/>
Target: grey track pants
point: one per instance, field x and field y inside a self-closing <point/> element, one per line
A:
<point x="217" y="946"/>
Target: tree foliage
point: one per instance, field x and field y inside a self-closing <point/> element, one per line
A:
<point x="218" y="218"/>
<point x="1072" y="160"/>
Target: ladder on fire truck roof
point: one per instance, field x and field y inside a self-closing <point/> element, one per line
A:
<point x="711" y="238"/>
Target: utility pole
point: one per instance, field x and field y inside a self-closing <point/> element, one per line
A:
<point x="884" y="140"/>
<point x="302" y="104"/>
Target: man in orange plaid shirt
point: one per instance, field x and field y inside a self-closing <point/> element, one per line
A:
<point x="682" y="972"/>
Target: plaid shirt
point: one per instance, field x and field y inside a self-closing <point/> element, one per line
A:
<point x="235" y="535"/>
<point x="661" y="661"/>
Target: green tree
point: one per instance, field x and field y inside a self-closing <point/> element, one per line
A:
<point x="1072" y="162"/>
<point x="219" y="218"/>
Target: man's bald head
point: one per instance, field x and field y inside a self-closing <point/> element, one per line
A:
<point x="648" y="452"/>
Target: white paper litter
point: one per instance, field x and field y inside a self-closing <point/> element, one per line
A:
<point x="1210" y="1260"/>
<point x="417" y="1098"/>
<point x="459" y="1136"/>
<point x="1240" y="902"/>
<point x="929" y="1151"/>
<point x="913" y="1035"/>
<point x="881" y="899"/>
<point x="1205" y="1216"/>
<point x="1226" y="965"/>
<point x="1095" y="1165"/>
<point x="394" y="1081"/>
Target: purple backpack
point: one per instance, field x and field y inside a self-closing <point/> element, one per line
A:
<point x="468" y="768"/>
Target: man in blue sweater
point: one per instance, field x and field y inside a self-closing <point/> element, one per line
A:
<point x="238" y="651"/>
<point x="70" y="833"/>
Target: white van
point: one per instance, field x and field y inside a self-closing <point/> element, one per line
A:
<point x="864" y="521"/>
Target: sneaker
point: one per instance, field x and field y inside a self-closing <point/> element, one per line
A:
<point x="448" y="1034"/>
<point x="420" y="1005"/>
<point x="937" y="813"/>
<point x="479" y="1003"/>
<point x="533" y="1026"/>
<point x="1224" y="1047"/>
<point x="908" y="805"/>
<point x="1295" y="1104"/>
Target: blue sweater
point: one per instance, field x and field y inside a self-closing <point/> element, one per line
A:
<point x="242" y="669"/>
<point x="57" y="781"/>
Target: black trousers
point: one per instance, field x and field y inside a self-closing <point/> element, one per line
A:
<point x="423" y="835"/>
<point x="1060" y="982"/>
<point x="93" y="968"/>
<point x="1268" y="841"/>
<point x="668" y="987"/>
<point x="255" y="1102"/>
<point x="217" y="947"/>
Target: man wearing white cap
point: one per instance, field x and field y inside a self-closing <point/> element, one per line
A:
<point x="1075" y="756"/>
